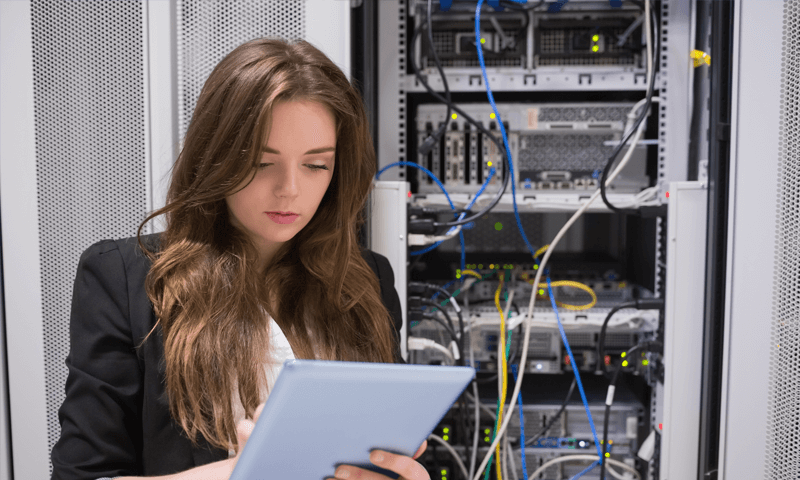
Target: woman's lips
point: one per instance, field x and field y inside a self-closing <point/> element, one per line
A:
<point x="282" y="217"/>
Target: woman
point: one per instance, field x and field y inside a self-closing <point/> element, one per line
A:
<point x="176" y="338"/>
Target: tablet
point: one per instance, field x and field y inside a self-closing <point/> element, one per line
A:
<point x="321" y="414"/>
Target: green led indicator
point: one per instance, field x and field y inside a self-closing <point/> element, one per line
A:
<point x="624" y="363"/>
<point x="645" y="362"/>
<point x="487" y="439"/>
<point x="498" y="226"/>
<point x="541" y="291"/>
<point x="487" y="431"/>
<point x="446" y="438"/>
<point x="608" y="455"/>
<point x="444" y="472"/>
<point x="446" y="430"/>
<point x="595" y="48"/>
<point x="623" y="354"/>
<point x="536" y="267"/>
<point x="483" y="40"/>
<point x="596" y="38"/>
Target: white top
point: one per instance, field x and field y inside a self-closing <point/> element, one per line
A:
<point x="281" y="351"/>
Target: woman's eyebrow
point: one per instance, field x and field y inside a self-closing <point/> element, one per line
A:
<point x="310" y="152"/>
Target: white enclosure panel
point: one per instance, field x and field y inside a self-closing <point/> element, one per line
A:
<point x="683" y="329"/>
<point x="21" y="265"/>
<point x="162" y="106"/>
<point x="388" y="236"/>
<point x="328" y="28"/>
<point x="754" y="372"/>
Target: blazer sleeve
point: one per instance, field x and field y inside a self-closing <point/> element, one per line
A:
<point x="101" y="414"/>
<point x="390" y="297"/>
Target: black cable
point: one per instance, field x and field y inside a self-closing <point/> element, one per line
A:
<point x="555" y="417"/>
<point x="639" y="304"/>
<point x="478" y="126"/>
<point x="601" y="340"/>
<point x="648" y="101"/>
<point x="432" y="140"/>
<point x="433" y="317"/>
<point x="459" y="340"/>
<point x="449" y="296"/>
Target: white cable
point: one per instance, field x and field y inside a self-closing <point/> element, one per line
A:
<point x="474" y="456"/>
<point x="548" y="252"/>
<point x="418" y="343"/>
<point x="418" y="239"/>
<point x="510" y="462"/>
<point x="526" y="339"/>
<point x="586" y="458"/>
<point x="450" y="449"/>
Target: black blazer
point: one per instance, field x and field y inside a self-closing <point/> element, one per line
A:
<point x="115" y="418"/>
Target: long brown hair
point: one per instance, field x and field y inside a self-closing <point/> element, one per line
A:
<point x="210" y="301"/>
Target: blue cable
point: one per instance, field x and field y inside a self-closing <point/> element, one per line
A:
<point x="452" y="206"/>
<point x="416" y="165"/>
<point x="502" y="127"/>
<point x="521" y="423"/>
<point x="587" y="470"/>
<point x="574" y="368"/>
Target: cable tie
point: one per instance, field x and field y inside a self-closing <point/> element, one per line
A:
<point x="610" y="396"/>
<point x="454" y="348"/>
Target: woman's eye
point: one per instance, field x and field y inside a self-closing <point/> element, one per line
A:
<point x="318" y="167"/>
<point x="263" y="165"/>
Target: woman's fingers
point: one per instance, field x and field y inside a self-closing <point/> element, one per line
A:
<point x="421" y="449"/>
<point x="243" y="430"/>
<point x="405" y="466"/>
<point x="258" y="412"/>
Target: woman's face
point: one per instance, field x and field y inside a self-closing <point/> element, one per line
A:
<point x="296" y="168"/>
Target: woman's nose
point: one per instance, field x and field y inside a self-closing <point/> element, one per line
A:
<point x="287" y="183"/>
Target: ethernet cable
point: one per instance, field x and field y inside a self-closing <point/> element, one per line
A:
<point x="479" y="127"/>
<point x="499" y="124"/>
<point x="651" y="75"/>
<point x="574" y="367"/>
<point x="419" y="343"/>
<point x="500" y="432"/>
<point x="545" y="259"/>
<point x="569" y="283"/>
<point x="452" y="452"/>
<point x="585" y="458"/>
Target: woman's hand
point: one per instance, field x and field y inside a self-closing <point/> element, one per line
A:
<point x="406" y="467"/>
<point x="243" y="431"/>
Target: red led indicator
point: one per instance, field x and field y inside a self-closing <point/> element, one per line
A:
<point x="667" y="194"/>
<point x="409" y="195"/>
<point x="661" y="426"/>
<point x="566" y="359"/>
<point x="607" y="360"/>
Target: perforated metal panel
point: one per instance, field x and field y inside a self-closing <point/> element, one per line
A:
<point x="783" y="448"/>
<point x="90" y="151"/>
<point x="209" y="30"/>
<point x="573" y="151"/>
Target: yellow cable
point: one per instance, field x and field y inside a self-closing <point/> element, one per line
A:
<point x="570" y="283"/>
<point x="473" y="273"/>
<point x="540" y="251"/>
<point x="503" y="375"/>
